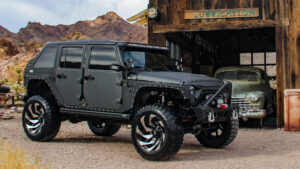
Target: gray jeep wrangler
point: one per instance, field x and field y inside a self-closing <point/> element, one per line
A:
<point x="109" y="83"/>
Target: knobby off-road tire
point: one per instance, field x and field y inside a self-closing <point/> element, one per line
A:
<point x="223" y="136"/>
<point x="155" y="132"/>
<point x="100" y="128"/>
<point x="40" y="118"/>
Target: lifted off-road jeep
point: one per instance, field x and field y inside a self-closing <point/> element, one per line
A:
<point x="109" y="83"/>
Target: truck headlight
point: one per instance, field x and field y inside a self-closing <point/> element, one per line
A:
<point x="192" y="88"/>
<point x="254" y="98"/>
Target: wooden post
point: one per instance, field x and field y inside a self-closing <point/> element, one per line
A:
<point x="294" y="44"/>
<point x="281" y="56"/>
<point x="288" y="53"/>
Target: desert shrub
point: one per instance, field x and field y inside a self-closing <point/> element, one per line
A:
<point x="12" y="157"/>
<point x="18" y="88"/>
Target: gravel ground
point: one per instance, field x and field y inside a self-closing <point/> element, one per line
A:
<point x="76" y="147"/>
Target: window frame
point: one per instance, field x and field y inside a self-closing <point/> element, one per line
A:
<point x="265" y="64"/>
<point x="71" y="46"/>
<point x="40" y="54"/>
<point x="90" y="47"/>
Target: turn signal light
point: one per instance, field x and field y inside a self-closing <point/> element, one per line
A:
<point x="223" y="106"/>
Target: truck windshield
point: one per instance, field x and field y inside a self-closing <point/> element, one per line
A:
<point x="238" y="75"/>
<point x="147" y="58"/>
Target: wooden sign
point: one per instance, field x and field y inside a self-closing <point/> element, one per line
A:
<point x="221" y="13"/>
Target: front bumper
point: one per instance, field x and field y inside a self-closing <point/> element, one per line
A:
<point x="252" y="114"/>
<point x="205" y="113"/>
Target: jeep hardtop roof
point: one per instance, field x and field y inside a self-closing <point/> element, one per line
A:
<point x="107" y="42"/>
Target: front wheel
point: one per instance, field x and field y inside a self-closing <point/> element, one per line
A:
<point x="156" y="133"/>
<point x="40" y="118"/>
<point x="219" y="135"/>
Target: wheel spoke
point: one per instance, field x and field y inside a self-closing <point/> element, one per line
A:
<point x="37" y="109"/>
<point x="160" y="123"/>
<point x="158" y="146"/>
<point x="152" y="147"/>
<point x="151" y="117"/>
<point x="146" y="136"/>
<point x="30" y="110"/>
<point x="144" y="143"/>
<point x="33" y="122"/>
<point x="147" y="129"/>
<point x="163" y="137"/>
<point x="34" y="126"/>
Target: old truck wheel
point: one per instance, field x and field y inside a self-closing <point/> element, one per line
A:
<point x="40" y="118"/>
<point x="105" y="129"/>
<point x="219" y="134"/>
<point x="155" y="133"/>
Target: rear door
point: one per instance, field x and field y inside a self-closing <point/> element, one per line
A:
<point x="102" y="84"/>
<point x="69" y="74"/>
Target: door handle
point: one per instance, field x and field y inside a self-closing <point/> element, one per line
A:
<point x="61" y="76"/>
<point x="89" y="77"/>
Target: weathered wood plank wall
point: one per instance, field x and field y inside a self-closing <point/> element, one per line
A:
<point x="172" y="11"/>
<point x="282" y="14"/>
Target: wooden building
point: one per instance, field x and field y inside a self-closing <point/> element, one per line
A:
<point x="208" y="34"/>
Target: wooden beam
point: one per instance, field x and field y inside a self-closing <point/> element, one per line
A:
<point x="294" y="44"/>
<point x="281" y="57"/>
<point x="220" y="25"/>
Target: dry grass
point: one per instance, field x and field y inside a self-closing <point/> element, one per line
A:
<point x="12" y="157"/>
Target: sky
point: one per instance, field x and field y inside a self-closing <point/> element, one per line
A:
<point x="15" y="14"/>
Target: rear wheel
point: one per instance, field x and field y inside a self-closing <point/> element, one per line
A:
<point x="40" y="118"/>
<point x="219" y="135"/>
<point x="101" y="128"/>
<point x="156" y="133"/>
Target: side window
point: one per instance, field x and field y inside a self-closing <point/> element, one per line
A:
<point x="71" y="57"/>
<point x="47" y="58"/>
<point x="102" y="57"/>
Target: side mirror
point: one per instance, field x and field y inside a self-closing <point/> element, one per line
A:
<point x="116" y="67"/>
<point x="130" y="64"/>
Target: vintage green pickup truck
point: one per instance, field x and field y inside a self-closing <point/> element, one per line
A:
<point x="251" y="91"/>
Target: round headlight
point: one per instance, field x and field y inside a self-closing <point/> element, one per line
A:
<point x="254" y="98"/>
<point x="191" y="88"/>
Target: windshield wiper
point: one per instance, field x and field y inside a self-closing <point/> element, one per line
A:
<point x="145" y="68"/>
<point x="160" y="68"/>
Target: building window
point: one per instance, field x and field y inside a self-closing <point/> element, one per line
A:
<point x="263" y="60"/>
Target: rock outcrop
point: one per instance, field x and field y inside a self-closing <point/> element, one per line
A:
<point x="107" y="27"/>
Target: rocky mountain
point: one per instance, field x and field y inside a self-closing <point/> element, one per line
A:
<point x="16" y="49"/>
<point x="6" y="33"/>
<point x="107" y="27"/>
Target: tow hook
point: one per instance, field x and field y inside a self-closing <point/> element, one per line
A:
<point x="235" y="114"/>
<point x="211" y="117"/>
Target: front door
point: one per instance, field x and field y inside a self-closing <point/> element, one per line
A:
<point x="69" y="74"/>
<point x="102" y="84"/>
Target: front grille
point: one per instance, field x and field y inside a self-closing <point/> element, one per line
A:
<point x="243" y="103"/>
<point x="208" y="92"/>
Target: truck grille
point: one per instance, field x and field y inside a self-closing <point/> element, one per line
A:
<point x="243" y="103"/>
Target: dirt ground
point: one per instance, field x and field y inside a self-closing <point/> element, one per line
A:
<point x="76" y="147"/>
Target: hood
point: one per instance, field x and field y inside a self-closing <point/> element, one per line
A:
<point x="177" y="78"/>
<point x="242" y="88"/>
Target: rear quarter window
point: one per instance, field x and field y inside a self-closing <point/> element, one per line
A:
<point x="46" y="58"/>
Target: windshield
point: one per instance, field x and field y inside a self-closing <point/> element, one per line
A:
<point x="147" y="58"/>
<point x="238" y="75"/>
